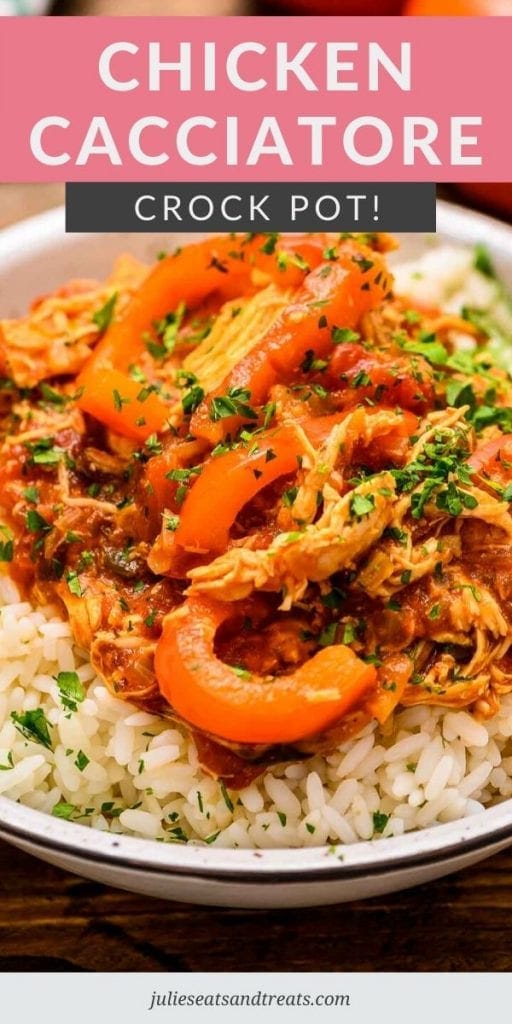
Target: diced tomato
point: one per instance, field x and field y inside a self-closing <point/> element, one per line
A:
<point x="361" y="375"/>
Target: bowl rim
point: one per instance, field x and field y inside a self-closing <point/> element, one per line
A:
<point x="488" y="828"/>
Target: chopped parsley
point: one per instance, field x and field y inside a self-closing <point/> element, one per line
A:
<point x="328" y="635"/>
<point x="226" y="797"/>
<point x="234" y="403"/>
<point x="216" y="264"/>
<point x="31" y="494"/>
<point x="211" y="838"/>
<point x="119" y="400"/>
<point x="286" y="259"/>
<point x="10" y="763"/>
<point x="459" y="393"/>
<point x="269" y="246"/>
<point x="334" y="598"/>
<point x="192" y="398"/>
<point x="340" y="335"/>
<point x="429" y="347"/>
<point x="103" y="317"/>
<point x="361" y="505"/>
<point x="71" y="690"/>
<point x="289" y="496"/>
<point x="241" y="672"/>
<point x="269" y="411"/>
<point x="183" y="478"/>
<point x="34" y="726"/>
<point x="435" y="474"/>
<point x="349" y="632"/>
<point x="73" y="582"/>
<point x="52" y="396"/>
<point x="361" y="380"/>
<point x="153" y="445"/>
<point x="166" y="331"/>
<point x="43" y="452"/>
<point x="488" y="415"/>
<point x="363" y="263"/>
<point x="6" y="544"/>
<point x="81" y="761"/>
<point x="35" y="522"/>
<point x="171" y="522"/>
<point x="65" y="810"/>
<point x="379" y="822"/>
<point x="453" y="500"/>
<point x="396" y="534"/>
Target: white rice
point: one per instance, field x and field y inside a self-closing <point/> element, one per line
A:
<point x="118" y="769"/>
<point x="142" y="776"/>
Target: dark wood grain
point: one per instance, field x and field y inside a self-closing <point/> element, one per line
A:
<point x="52" y="921"/>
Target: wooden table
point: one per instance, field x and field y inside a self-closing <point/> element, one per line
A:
<point x="53" y="921"/>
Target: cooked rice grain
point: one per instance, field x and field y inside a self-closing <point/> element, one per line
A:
<point x="119" y="769"/>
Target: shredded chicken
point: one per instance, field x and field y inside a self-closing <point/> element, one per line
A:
<point x="236" y="330"/>
<point x="56" y="337"/>
<point x="336" y="541"/>
<point x="392" y="566"/>
<point x="359" y="426"/>
<point x="127" y="662"/>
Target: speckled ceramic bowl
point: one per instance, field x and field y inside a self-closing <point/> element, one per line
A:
<point x="35" y="256"/>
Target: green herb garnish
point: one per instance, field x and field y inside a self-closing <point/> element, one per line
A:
<point x="71" y="690"/>
<point x="103" y="317"/>
<point x="33" y="725"/>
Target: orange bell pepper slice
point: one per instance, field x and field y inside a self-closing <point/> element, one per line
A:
<point x="227" y="482"/>
<point x="112" y="397"/>
<point x="282" y="709"/>
<point x="335" y="295"/>
<point x="222" y="265"/>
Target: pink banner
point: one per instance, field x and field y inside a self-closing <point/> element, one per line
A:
<point x="254" y="99"/>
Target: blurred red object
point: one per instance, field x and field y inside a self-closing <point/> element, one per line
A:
<point x="458" y="8"/>
<point x="495" y="196"/>
<point x="339" y="6"/>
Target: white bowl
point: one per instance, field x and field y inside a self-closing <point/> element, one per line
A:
<point x="35" y="256"/>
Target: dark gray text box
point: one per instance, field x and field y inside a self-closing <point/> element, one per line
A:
<point x="278" y="206"/>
